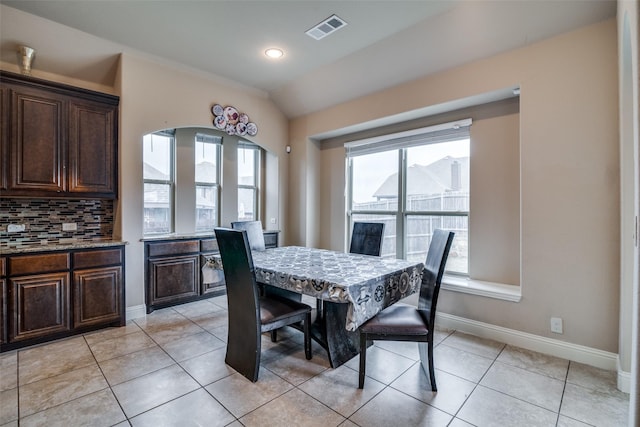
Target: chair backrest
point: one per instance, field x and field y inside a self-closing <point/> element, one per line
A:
<point x="433" y="272"/>
<point x="254" y="232"/>
<point x="242" y="293"/>
<point x="366" y="238"/>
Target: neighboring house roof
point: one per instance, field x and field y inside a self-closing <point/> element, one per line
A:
<point x="205" y="172"/>
<point x="434" y="178"/>
<point x="149" y="172"/>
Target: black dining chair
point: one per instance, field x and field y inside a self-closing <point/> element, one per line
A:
<point x="254" y="233"/>
<point x="366" y="238"/>
<point x="402" y="322"/>
<point x="250" y="314"/>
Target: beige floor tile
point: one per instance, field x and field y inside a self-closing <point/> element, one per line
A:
<point x="125" y="344"/>
<point x="570" y="422"/>
<point x="486" y="407"/>
<point x="159" y="319"/>
<point x="221" y="332"/>
<point x="591" y="377"/>
<point x="460" y="363"/>
<point x="8" y="405"/>
<point x="10" y="424"/>
<point x="382" y="365"/>
<point x="534" y="388"/>
<point x="133" y="365"/>
<point x="344" y="396"/>
<point x="393" y="408"/>
<point x="348" y="423"/>
<point x="198" y="308"/>
<point x="240" y="396"/>
<point x="178" y="330"/>
<point x="407" y="349"/>
<point x="208" y="367"/>
<point x="539" y="363"/>
<point x="95" y="410"/>
<point x="8" y="370"/>
<point x="197" y="408"/>
<point x="295" y="368"/>
<point x="212" y="320"/>
<point x="53" y="391"/>
<point x="192" y="345"/>
<point x="36" y="363"/>
<point x="476" y="345"/>
<point x="294" y="408"/>
<point x="452" y="391"/>
<point x="457" y="422"/>
<point x="220" y="301"/>
<point x="154" y="389"/>
<point x="110" y="333"/>
<point x="598" y="408"/>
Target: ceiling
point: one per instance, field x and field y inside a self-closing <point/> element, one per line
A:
<point x="385" y="42"/>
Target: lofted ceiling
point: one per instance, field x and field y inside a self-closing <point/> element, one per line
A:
<point x="385" y="42"/>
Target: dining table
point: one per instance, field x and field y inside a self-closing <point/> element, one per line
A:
<point x="353" y="288"/>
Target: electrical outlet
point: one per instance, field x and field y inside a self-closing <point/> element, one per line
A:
<point x="556" y="325"/>
<point x="273" y="220"/>
<point x="15" y="228"/>
<point x="69" y="226"/>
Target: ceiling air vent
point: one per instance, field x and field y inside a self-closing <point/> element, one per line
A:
<point x="326" y="27"/>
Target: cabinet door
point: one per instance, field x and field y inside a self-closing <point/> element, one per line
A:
<point x="3" y="311"/>
<point x="172" y="279"/>
<point x="4" y="138"/>
<point x="92" y="148"/>
<point x="39" y="306"/>
<point x="97" y="296"/>
<point x="36" y="141"/>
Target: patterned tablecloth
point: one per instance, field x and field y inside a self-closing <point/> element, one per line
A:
<point x="367" y="283"/>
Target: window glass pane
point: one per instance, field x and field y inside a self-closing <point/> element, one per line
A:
<point x="157" y="157"/>
<point x="157" y="212"/>
<point x="375" y="182"/>
<point x="246" y="204"/>
<point x="206" y="207"/>
<point x="438" y="177"/>
<point x="389" y="238"/>
<point x="246" y="166"/>
<point x="206" y="162"/>
<point x="419" y="229"/>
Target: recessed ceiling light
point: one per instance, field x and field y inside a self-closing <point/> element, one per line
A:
<point x="274" y="52"/>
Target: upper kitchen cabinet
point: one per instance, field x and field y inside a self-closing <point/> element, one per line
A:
<point x="59" y="141"/>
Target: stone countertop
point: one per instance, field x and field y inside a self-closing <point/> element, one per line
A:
<point x="13" y="249"/>
<point x="186" y="236"/>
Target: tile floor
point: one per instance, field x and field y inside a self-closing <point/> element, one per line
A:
<point x="168" y="370"/>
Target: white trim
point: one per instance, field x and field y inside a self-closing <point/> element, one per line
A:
<point x="574" y="352"/>
<point x="136" y="312"/>
<point x="624" y="379"/>
<point x="478" y="287"/>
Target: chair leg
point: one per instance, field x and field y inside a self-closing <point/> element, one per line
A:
<point x="432" y="371"/>
<point x="307" y="336"/>
<point x="274" y="335"/>
<point x="363" y="359"/>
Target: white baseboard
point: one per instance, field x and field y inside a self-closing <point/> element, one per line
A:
<point x="577" y="353"/>
<point x="136" y="312"/>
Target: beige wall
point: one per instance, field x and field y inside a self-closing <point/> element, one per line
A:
<point x="569" y="183"/>
<point x="159" y="97"/>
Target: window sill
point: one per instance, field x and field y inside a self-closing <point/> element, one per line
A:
<point x="486" y="289"/>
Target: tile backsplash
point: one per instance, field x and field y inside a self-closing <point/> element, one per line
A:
<point x="43" y="220"/>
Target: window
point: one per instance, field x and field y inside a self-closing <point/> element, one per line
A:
<point x="248" y="173"/>
<point x="158" y="174"/>
<point x="414" y="182"/>
<point x="207" y="180"/>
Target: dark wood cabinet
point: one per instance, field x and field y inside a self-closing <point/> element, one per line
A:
<point x="59" y="141"/>
<point x="3" y="302"/>
<point x="39" y="306"/>
<point x="59" y="293"/>
<point x="97" y="287"/>
<point x="92" y="153"/>
<point x="173" y="279"/>
<point x="4" y="139"/>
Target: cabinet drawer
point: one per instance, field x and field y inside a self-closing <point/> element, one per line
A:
<point x="3" y="269"/>
<point x="97" y="258"/>
<point x="35" y="264"/>
<point x="209" y="245"/>
<point x="174" y="248"/>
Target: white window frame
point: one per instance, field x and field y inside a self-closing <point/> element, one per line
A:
<point x="401" y="142"/>
<point x="171" y="182"/>
<point x="216" y="140"/>
<point x="256" y="175"/>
